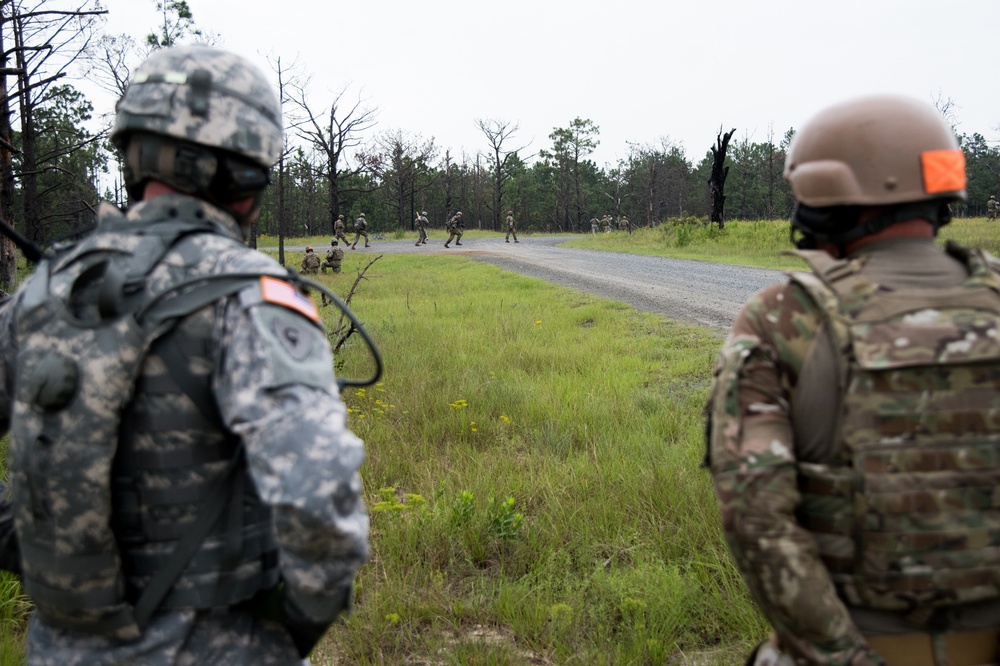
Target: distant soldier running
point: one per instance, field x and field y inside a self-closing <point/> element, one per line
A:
<point x="360" y="229"/>
<point x="340" y="229"/>
<point x="456" y="228"/>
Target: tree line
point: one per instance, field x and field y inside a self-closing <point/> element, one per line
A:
<point x="54" y="167"/>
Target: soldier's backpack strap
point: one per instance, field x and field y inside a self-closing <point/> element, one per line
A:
<point x="830" y="281"/>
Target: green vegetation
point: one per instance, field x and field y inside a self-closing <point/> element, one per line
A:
<point x="759" y="243"/>
<point x="533" y="471"/>
<point x="533" y="478"/>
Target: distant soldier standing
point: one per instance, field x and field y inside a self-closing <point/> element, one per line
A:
<point x="421" y="224"/>
<point x="511" y="228"/>
<point x="594" y="224"/>
<point x="340" y="229"/>
<point x="624" y="225"/>
<point x="360" y="229"/>
<point x="991" y="208"/>
<point x="455" y="229"/>
<point x="310" y="262"/>
<point x="606" y="221"/>
<point x="334" y="257"/>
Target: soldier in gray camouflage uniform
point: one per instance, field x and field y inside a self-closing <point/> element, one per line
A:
<point x="854" y="437"/>
<point x="240" y="393"/>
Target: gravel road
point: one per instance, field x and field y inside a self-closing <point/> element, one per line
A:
<point x="692" y="291"/>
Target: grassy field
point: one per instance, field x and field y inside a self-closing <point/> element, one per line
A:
<point x="533" y="478"/>
<point x="751" y="242"/>
<point x="533" y="471"/>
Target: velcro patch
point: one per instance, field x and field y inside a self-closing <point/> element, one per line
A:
<point x="279" y="292"/>
<point x="944" y="171"/>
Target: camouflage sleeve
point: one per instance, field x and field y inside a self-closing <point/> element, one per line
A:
<point x="276" y="389"/>
<point x="752" y="460"/>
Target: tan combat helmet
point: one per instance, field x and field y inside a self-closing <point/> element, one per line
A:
<point x="876" y="150"/>
<point x="198" y="98"/>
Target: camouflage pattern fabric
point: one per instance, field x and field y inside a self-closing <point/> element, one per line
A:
<point x="281" y="399"/>
<point x="455" y="229"/>
<point x="334" y="259"/>
<point x="238" y="111"/>
<point x="991" y="209"/>
<point x="421" y="224"/>
<point x="360" y="226"/>
<point x="339" y="230"/>
<point x="761" y="438"/>
<point x="310" y="263"/>
<point x="511" y="229"/>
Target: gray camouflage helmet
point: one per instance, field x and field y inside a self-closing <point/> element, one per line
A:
<point x="205" y="96"/>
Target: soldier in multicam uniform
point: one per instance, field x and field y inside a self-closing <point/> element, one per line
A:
<point x="511" y="228"/>
<point x="339" y="229"/>
<point x="853" y="423"/>
<point x="241" y="393"/>
<point x="991" y="208"/>
<point x="360" y="229"/>
<point x="593" y="225"/>
<point x="421" y="224"/>
<point x="606" y="223"/>
<point x="334" y="257"/>
<point x="310" y="262"/>
<point x="455" y="228"/>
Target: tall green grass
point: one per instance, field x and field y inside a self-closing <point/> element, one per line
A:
<point x="533" y="478"/>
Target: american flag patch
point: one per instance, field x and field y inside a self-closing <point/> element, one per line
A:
<point x="280" y="292"/>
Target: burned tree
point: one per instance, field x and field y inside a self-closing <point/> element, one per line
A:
<point x="717" y="181"/>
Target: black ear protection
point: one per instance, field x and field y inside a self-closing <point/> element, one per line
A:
<point x="237" y="179"/>
<point x="216" y="176"/>
<point x="838" y="225"/>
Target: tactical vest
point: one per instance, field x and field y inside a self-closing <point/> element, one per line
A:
<point x="910" y="517"/>
<point x="130" y="494"/>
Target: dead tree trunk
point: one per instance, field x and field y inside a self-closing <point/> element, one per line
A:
<point x="8" y="256"/>
<point x="717" y="181"/>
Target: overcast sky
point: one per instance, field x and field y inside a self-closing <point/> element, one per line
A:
<point x="641" y="70"/>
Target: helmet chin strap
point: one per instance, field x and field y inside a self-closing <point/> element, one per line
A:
<point x="837" y="225"/>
